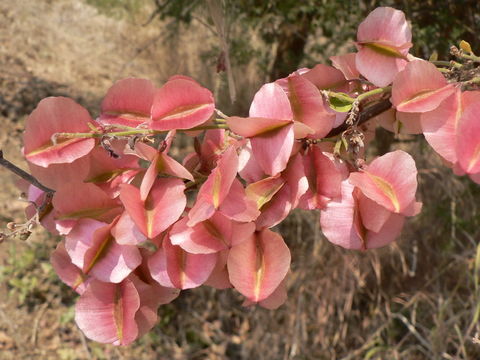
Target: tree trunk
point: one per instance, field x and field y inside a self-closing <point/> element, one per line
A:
<point x="292" y="38"/>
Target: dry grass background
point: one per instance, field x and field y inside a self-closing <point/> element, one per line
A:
<point x="416" y="299"/>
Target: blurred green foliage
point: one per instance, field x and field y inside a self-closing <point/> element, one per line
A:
<point x="28" y="273"/>
<point x="307" y="32"/>
<point x="324" y="26"/>
<point x="118" y="8"/>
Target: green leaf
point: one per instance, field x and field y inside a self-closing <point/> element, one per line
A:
<point x="340" y="104"/>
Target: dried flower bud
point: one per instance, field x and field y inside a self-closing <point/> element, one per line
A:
<point x="359" y="163"/>
<point x="465" y="46"/>
<point x="454" y="50"/>
<point x="11" y="225"/>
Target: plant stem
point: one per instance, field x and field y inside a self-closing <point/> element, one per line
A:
<point x="365" y="115"/>
<point x="373" y="92"/>
<point x="207" y="127"/>
<point x="475" y="80"/>
<point x="470" y="57"/>
<point x="23" y="174"/>
<point x="447" y="63"/>
<point x="361" y="97"/>
<point x="135" y="132"/>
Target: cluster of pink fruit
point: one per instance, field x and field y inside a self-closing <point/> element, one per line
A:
<point x="140" y="226"/>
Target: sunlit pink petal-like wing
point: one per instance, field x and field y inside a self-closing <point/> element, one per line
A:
<point x="103" y="167"/>
<point x="146" y="316"/>
<point x="374" y="216"/>
<point x="157" y="265"/>
<point x="184" y="270"/>
<point x="162" y="164"/>
<point x="273" y="198"/>
<point x="383" y="41"/>
<point x="75" y="171"/>
<point x="163" y="206"/>
<point x="152" y="295"/>
<point x="144" y="151"/>
<point x="66" y="270"/>
<point x="248" y="167"/>
<point x="410" y="122"/>
<point x="263" y="190"/>
<point x="387" y="234"/>
<point x="385" y="23"/>
<point x="296" y="179"/>
<point x="475" y="177"/>
<point x="216" y="188"/>
<point x="274" y="301"/>
<point x="210" y="236"/>
<point x="258" y="265"/>
<point x="92" y="248"/>
<point x="378" y="68"/>
<point x="337" y="220"/>
<point x="390" y="180"/>
<point x="308" y="105"/>
<point x="106" y="312"/>
<point x="126" y="232"/>
<point x="56" y="115"/>
<point x="324" y="179"/>
<point x="271" y="102"/>
<point x="346" y="64"/>
<point x="79" y="240"/>
<point x="468" y="139"/>
<point x="218" y="184"/>
<point x="128" y="102"/>
<point x="400" y="122"/>
<point x="201" y="211"/>
<point x="237" y="205"/>
<point x="276" y="210"/>
<point x="345" y="222"/>
<point x="326" y="77"/>
<point x="420" y="87"/>
<point x="76" y="200"/>
<point x="181" y="104"/>
<point x="256" y="126"/>
<point x="273" y="149"/>
<point x="440" y="126"/>
<point x="219" y="279"/>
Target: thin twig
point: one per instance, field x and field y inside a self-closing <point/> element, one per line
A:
<point x="40" y="313"/>
<point x="218" y="17"/>
<point x="412" y="330"/>
<point x="157" y="11"/>
<point x="23" y="174"/>
<point x="84" y="343"/>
